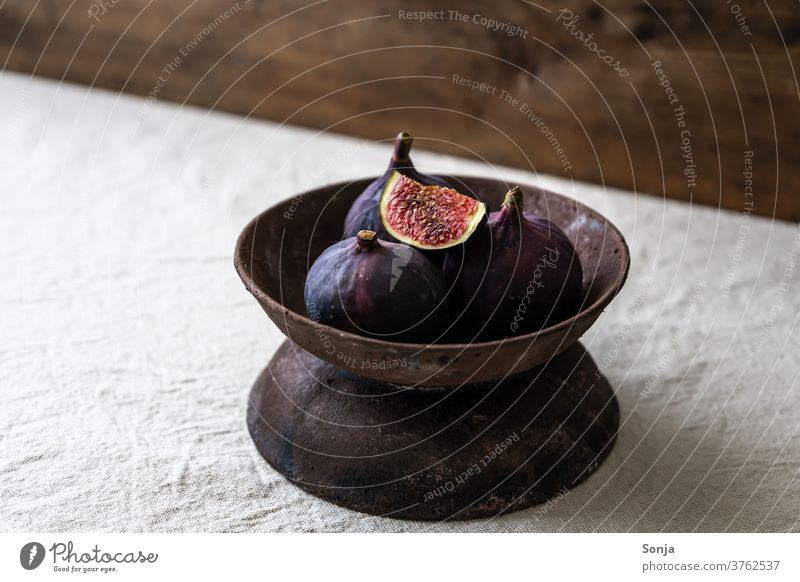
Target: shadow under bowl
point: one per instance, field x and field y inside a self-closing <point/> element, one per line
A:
<point x="276" y="249"/>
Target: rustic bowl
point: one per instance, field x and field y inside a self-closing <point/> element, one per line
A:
<point x="276" y="249"/>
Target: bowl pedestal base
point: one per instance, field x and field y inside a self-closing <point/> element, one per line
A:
<point x="465" y="452"/>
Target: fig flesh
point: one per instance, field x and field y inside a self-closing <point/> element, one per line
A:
<point x="364" y="213"/>
<point x="376" y="288"/>
<point x="429" y="217"/>
<point x="518" y="274"/>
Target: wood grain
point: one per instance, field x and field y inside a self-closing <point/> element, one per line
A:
<point x="364" y="69"/>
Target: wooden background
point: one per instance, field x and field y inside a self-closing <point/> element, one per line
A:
<point x="360" y="68"/>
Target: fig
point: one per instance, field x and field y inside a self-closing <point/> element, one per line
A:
<point x="518" y="274"/>
<point x="428" y="217"/>
<point x="364" y="213"/>
<point x="377" y="288"/>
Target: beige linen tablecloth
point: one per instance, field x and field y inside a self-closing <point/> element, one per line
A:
<point x="128" y="345"/>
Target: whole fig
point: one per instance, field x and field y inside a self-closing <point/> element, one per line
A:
<point x="518" y="274"/>
<point x="380" y="289"/>
<point x="364" y="214"/>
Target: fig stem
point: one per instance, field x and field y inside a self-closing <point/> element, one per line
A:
<point x="513" y="198"/>
<point x="402" y="146"/>
<point x="366" y="239"/>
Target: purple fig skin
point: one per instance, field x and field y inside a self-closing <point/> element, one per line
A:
<point x="517" y="275"/>
<point x="379" y="289"/>
<point x="365" y="214"/>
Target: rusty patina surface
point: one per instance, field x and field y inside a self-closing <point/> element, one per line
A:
<point x="433" y="454"/>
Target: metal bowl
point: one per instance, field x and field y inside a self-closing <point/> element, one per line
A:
<point x="276" y="249"/>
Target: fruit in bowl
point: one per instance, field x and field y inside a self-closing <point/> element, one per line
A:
<point x="449" y="269"/>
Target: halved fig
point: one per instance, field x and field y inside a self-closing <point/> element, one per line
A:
<point x="428" y="217"/>
<point x="364" y="213"/>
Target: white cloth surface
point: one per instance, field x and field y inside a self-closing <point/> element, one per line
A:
<point x="128" y="344"/>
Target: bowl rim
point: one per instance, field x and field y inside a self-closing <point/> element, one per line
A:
<point x="586" y="312"/>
